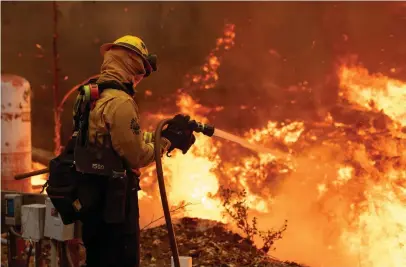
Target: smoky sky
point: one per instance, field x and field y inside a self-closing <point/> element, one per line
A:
<point x="278" y="45"/>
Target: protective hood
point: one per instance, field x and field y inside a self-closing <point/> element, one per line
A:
<point x="122" y="66"/>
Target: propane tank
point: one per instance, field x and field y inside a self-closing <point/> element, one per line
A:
<point x="15" y="132"/>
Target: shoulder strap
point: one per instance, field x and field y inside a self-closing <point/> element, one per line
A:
<point x="85" y="102"/>
<point x="86" y="98"/>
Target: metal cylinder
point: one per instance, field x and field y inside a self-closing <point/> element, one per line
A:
<point x="15" y="132"/>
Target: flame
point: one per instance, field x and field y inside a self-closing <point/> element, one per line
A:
<point x="209" y="76"/>
<point x="341" y="185"/>
<point x="194" y="180"/>
<point x="344" y="174"/>
<point x="38" y="179"/>
<point x="374" y="92"/>
<point x="342" y="188"/>
<point x="289" y="133"/>
<point x="380" y="226"/>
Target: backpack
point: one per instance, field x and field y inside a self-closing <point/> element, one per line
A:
<point x="79" y="176"/>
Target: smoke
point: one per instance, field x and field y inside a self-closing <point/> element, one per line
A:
<point x="278" y="45"/>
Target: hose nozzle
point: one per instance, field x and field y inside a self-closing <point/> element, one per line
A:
<point x="198" y="127"/>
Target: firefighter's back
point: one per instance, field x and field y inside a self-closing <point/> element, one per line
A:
<point x="101" y="116"/>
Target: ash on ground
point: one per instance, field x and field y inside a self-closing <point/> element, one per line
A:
<point x="209" y="243"/>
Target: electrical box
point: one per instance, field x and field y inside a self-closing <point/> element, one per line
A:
<point x="29" y="198"/>
<point x="54" y="227"/>
<point x="33" y="221"/>
<point x="13" y="209"/>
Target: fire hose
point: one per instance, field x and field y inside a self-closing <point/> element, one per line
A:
<point x="198" y="127"/>
<point x="162" y="191"/>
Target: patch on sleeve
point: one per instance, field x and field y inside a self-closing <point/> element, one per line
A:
<point x="135" y="127"/>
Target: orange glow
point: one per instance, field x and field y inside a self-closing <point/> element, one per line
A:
<point x="379" y="227"/>
<point x="340" y="184"/>
<point x="344" y="196"/>
<point x="286" y="133"/>
<point x="374" y="92"/>
<point x="209" y="76"/>
<point x="38" y="180"/>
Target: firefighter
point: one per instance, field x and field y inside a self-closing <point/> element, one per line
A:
<point x="109" y="240"/>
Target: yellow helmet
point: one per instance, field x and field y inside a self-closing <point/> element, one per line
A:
<point x="138" y="46"/>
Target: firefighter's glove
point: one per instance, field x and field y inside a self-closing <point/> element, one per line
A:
<point x="179" y="134"/>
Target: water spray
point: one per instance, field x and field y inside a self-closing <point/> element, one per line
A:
<point x="210" y="130"/>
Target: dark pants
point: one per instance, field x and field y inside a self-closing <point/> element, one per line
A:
<point x="110" y="249"/>
<point x="113" y="245"/>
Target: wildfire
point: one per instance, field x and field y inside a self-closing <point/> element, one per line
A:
<point x="344" y="174"/>
<point x="374" y="92"/>
<point x="195" y="180"/>
<point x="380" y="226"/>
<point x="342" y="187"/>
<point x="208" y="77"/>
<point x="289" y="133"/>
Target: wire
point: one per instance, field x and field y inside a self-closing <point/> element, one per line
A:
<point x="14" y="232"/>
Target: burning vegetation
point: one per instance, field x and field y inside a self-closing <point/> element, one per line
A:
<point x="339" y="183"/>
